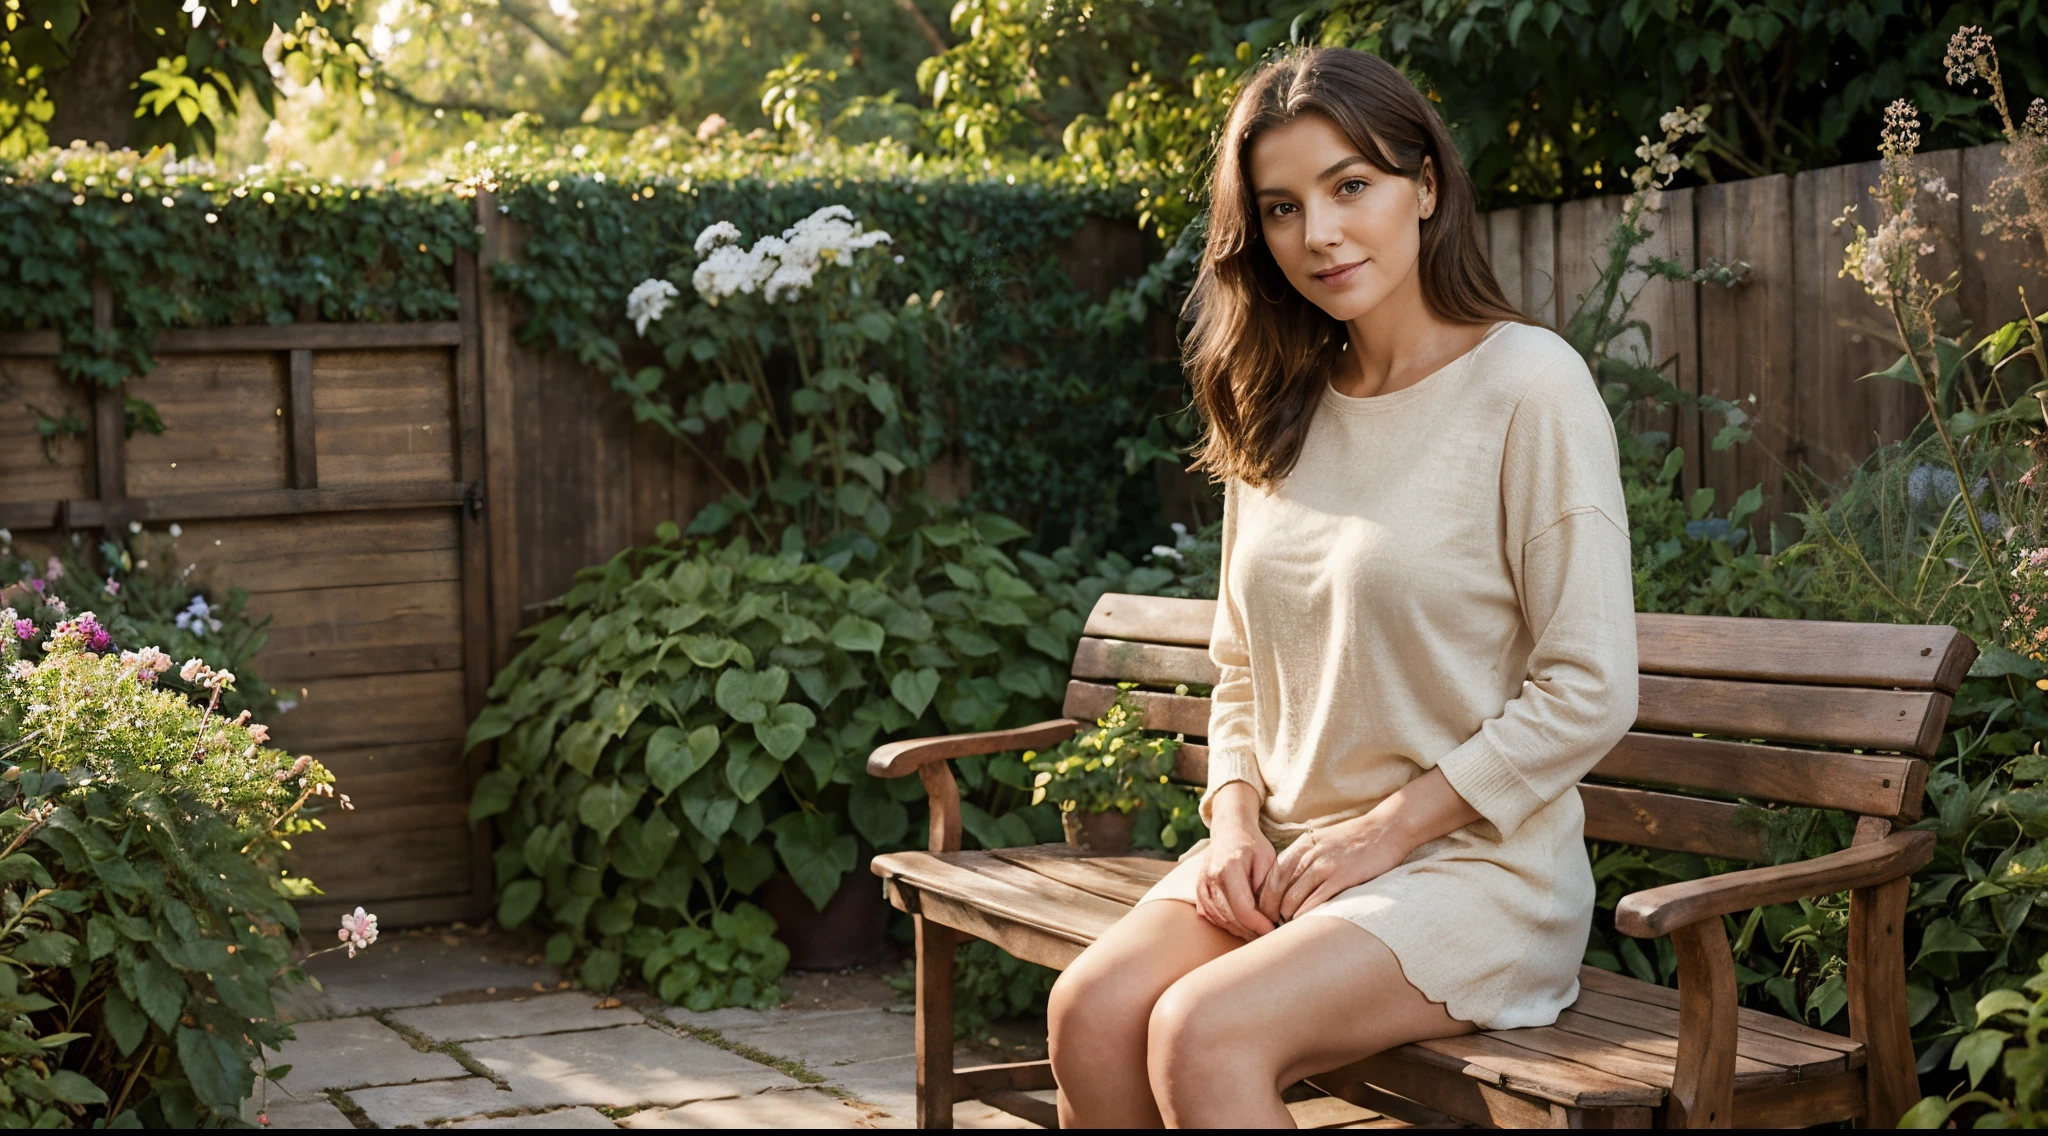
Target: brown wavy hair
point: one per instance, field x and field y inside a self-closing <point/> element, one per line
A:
<point x="1257" y="363"/>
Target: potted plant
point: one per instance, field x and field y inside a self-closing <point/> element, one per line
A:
<point x="1109" y="779"/>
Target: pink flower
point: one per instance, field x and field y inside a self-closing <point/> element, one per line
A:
<point x="711" y="125"/>
<point x="113" y="586"/>
<point x="24" y="629"/>
<point x="358" y="930"/>
<point x="36" y="584"/>
<point x="259" y="733"/>
<point x="54" y="569"/>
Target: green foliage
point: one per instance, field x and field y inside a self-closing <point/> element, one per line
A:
<point x="192" y="66"/>
<point x="2008" y="1039"/>
<point x="144" y="919"/>
<point x="1117" y="767"/>
<point x="179" y="245"/>
<point x="696" y="718"/>
<point x="989" y="985"/>
<point x="139" y="593"/>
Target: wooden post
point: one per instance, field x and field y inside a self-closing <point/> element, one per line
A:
<point x="1703" y="1085"/>
<point x="301" y="451"/>
<point x="477" y="631"/>
<point x="495" y="347"/>
<point x="1877" y="992"/>
<point x="109" y="424"/>
<point x="935" y="945"/>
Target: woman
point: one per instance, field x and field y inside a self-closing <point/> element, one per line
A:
<point x="1426" y="633"/>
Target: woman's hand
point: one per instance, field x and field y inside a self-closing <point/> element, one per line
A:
<point x="1236" y="865"/>
<point x="1327" y="861"/>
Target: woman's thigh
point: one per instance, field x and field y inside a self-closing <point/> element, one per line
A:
<point x="1314" y="995"/>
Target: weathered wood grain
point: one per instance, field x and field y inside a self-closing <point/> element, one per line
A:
<point x="224" y="426"/>
<point x="323" y="550"/>
<point x="1152" y="619"/>
<point x="1873" y="785"/>
<point x="1670" y="821"/>
<point x="30" y="470"/>
<point x="385" y="417"/>
<point x="1815" y="652"/>
<point x="1169" y="713"/>
<point x="1160" y="664"/>
<point x="1905" y="721"/>
<point x="319" y="633"/>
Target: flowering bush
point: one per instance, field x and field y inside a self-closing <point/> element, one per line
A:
<point x="143" y="594"/>
<point x="781" y="357"/>
<point x="148" y="919"/>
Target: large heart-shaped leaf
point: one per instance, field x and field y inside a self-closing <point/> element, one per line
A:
<point x="815" y="853"/>
<point x="644" y="846"/>
<point x="672" y="756"/>
<point x="581" y="744"/>
<point x="914" y="689"/>
<point x="852" y="633"/>
<point x="220" y="1077"/>
<point x="784" y="729"/>
<point x="517" y="901"/>
<point x="604" y="804"/>
<point x="880" y="819"/>
<point x="750" y="769"/>
<point x="711" y="816"/>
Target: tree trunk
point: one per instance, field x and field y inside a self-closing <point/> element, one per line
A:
<point x="95" y="94"/>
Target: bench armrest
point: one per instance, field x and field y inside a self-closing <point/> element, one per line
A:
<point x="1662" y="910"/>
<point x="899" y="758"/>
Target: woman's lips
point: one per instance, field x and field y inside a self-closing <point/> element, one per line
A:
<point x="1341" y="275"/>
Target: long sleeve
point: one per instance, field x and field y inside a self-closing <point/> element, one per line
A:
<point x="1233" y="754"/>
<point x="1567" y="532"/>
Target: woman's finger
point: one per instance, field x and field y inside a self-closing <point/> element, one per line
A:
<point x="1244" y="907"/>
<point x="1317" y="898"/>
<point x="1312" y="876"/>
<point x="1214" y="908"/>
<point x="1275" y="884"/>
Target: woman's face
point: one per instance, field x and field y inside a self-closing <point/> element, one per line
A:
<point x="1345" y="232"/>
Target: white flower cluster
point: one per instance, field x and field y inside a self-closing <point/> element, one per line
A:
<point x="648" y="302"/>
<point x="780" y="267"/>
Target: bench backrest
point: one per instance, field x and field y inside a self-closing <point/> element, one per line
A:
<point x="1768" y="692"/>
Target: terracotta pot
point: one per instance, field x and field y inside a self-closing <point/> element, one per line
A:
<point x="1106" y="833"/>
<point x="851" y="930"/>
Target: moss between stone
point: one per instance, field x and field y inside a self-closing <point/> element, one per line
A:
<point x="421" y="1043"/>
<point x="350" y="1109"/>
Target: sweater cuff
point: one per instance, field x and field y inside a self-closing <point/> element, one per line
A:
<point x="1226" y="766"/>
<point x="1490" y="783"/>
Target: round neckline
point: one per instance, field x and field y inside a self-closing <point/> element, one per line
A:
<point x="1370" y="404"/>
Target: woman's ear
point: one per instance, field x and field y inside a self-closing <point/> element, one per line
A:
<point x="1425" y="189"/>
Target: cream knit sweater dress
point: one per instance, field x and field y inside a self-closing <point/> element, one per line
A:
<point x="1442" y="582"/>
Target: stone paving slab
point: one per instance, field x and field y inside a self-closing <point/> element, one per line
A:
<point x="515" y="1017"/>
<point x="407" y="970"/>
<point x="788" y="1108"/>
<point x="622" y="1067"/>
<point x="890" y="1084"/>
<point x="349" y="1052"/>
<point x="833" y="1037"/>
<point x="300" y="1112"/>
<point x="564" y="1118"/>
<point x="402" y="1106"/>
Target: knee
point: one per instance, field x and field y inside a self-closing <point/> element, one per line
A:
<point x="1193" y="1042"/>
<point x="1089" y="1008"/>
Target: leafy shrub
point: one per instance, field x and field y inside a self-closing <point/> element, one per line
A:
<point x="147" y="918"/>
<point x="695" y="718"/>
<point x="2007" y="1039"/>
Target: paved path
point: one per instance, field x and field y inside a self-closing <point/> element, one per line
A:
<point x="450" y="1031"/>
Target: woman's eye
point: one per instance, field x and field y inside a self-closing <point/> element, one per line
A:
<point x="1282" y="209"/>
<point x="1353" y="185"/>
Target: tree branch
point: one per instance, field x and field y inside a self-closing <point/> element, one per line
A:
<point x="924" y="25"/>
<point x="524" y="18"/>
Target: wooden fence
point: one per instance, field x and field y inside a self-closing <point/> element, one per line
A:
<point x="401" y="498"/>
<point x="1790" y="344"/>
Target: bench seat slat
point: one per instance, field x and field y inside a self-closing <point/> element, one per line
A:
<point x="1122" y="879"/>
<point x="1167" y="713"/>
<point x="1152" y="619"/>
<point x="1622" y="986"/>
<point x="1810" y="651"/>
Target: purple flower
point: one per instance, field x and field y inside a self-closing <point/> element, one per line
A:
<point x="24" y="629"/>
<point x="37" y="584"/>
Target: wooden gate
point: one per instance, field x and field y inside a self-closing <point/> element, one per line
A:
<point x="334" y="471"/>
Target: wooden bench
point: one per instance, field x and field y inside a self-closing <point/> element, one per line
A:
<point x="1781" y="699"/>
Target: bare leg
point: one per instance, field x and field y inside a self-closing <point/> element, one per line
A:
<point x="1316" y="994"/>
<point x="1098" y="1013"/>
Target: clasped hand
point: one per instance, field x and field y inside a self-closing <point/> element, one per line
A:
<point x="1248" y="889"/>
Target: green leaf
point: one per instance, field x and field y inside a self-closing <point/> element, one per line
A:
<point x="517" y="900"/>
<point x="219" y="1076"/>
<point x="1942" y="935"/>
<point x="601" y="970"/>
<point x="1979" y="1051"/>
<point x="784" y="729"/>
<point x="913" y="690"/>
<point x="877" y="326"/>
<point x="49" y="948"/>
<point x="581" y="744"/>
<point x="1931" y="1112"/>
<point x="750" y="769"/>
<point x="494" y="793"/>
<point x="124" y="1021"/>
<point x="496" y="720"/>
<point x="880" y="819"/>
<point x="815" y="853"/>
<point x="673" y="756"/>
<point x="1902" y="370"/>
<point x="71" y="1088"/>
<point x="644" y="846"/>
<point x="604" y="804"/>
<point x="852" y="633"/>
<point x="746" y="866"/>
<point x="711" y="816"/>
<point x="2002" y="1001"/>
<point x="160" y="990"/>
